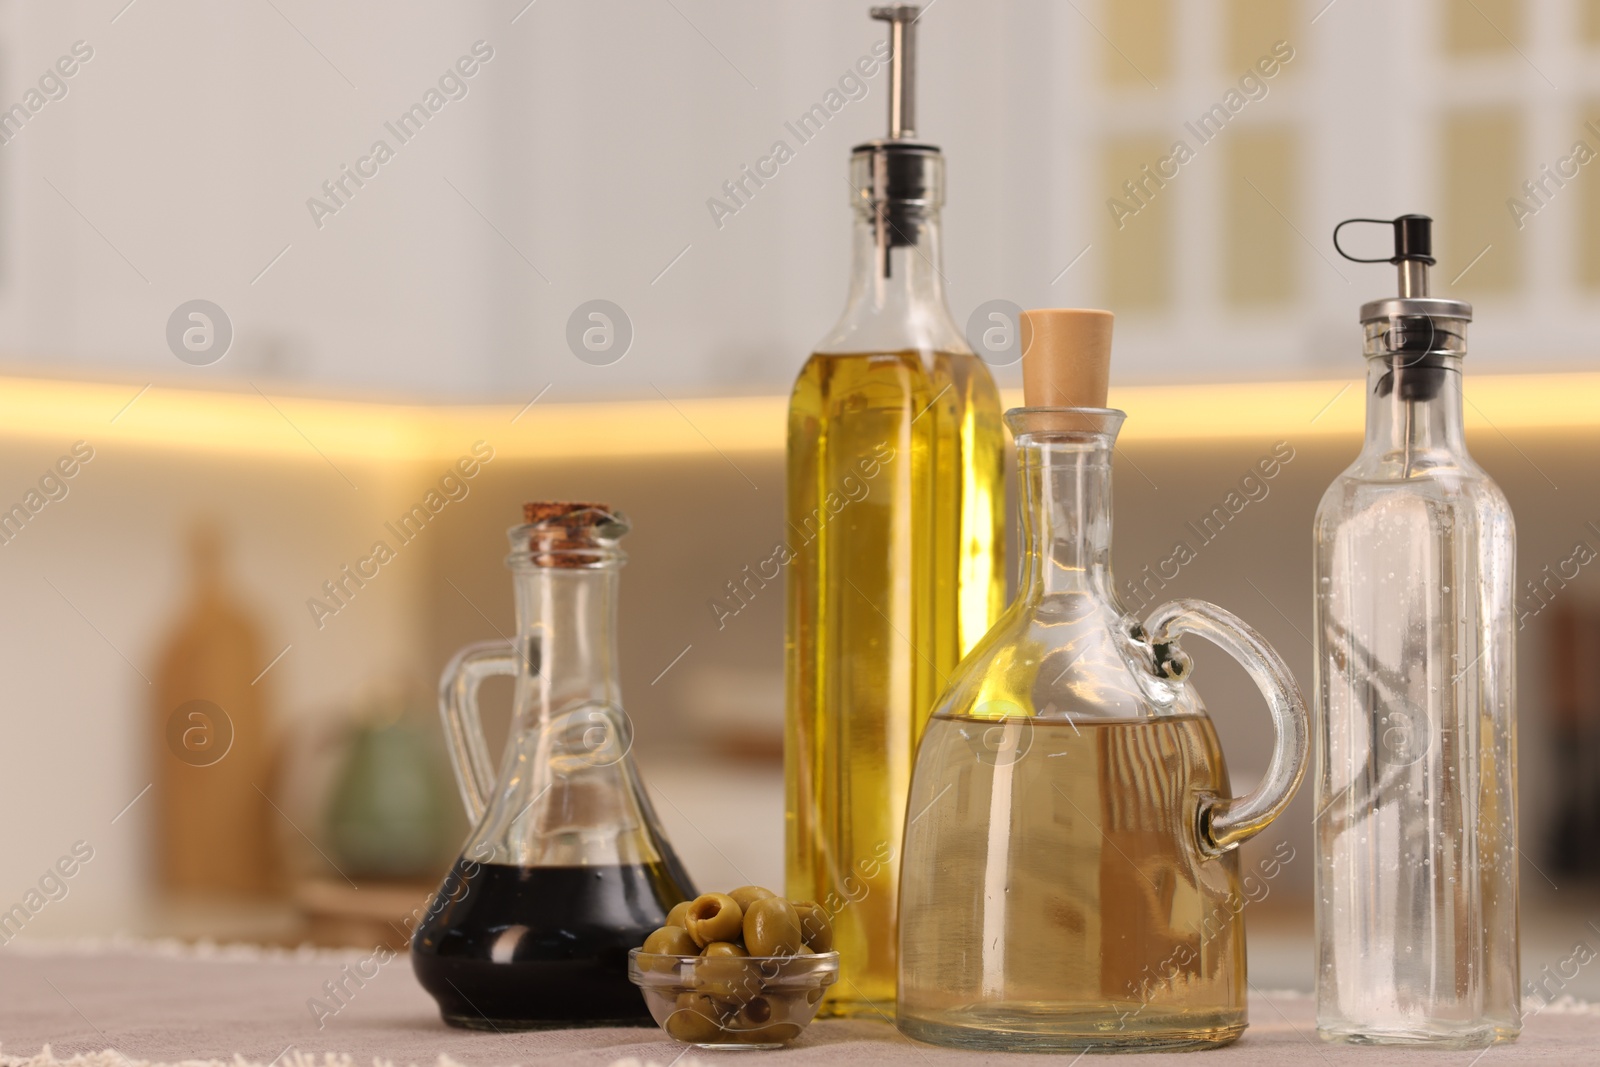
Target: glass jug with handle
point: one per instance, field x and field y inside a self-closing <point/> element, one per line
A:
<point x="1070" y="875"/>
<point x="567" y="867"/>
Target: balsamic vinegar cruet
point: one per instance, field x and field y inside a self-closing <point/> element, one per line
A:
<point x="567" y="868"/>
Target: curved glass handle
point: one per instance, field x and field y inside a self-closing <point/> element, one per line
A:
<point x="1226" y="821"/>
<point x="463" y="727"/>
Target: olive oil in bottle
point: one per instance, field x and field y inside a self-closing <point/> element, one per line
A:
<point x="895" y="498"/>
<point x="1070" y="877"/>
<point x="1115" y="930"/>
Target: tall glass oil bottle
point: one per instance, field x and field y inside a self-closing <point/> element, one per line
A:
<point x="895" y="518"/>
<point x="1416" y="785"/>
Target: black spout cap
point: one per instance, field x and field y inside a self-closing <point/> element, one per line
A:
<point x="1413" y="239"/>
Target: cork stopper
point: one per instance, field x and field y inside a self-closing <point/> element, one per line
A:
<point x="567" y="533"/>
<point x="1066" y="357"/>
<point x="551" y="511"/>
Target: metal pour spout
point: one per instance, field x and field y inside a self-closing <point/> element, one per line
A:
<point x="902" y="20"/>
<point x="1413" y="251"/>
<point x="1415" y="333"/>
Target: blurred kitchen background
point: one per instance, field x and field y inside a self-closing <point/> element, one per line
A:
<point x="381" y="327"/>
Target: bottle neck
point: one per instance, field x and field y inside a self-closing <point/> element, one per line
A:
<point x="567" y="632"/>
<point x="896" y="300"/>
<point x="1414" y="411"/>
<point x="1066" y="513"/>
<point x="896" y="256"/>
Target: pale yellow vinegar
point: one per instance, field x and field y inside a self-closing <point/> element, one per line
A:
<point x="895" y="520"/>
<point x="1060" y="899"/>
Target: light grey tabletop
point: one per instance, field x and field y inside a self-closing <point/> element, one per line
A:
<point x="152" y="1005"/>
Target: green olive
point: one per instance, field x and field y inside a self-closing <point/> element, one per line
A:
<point x="790" y="1004"/>
<point x="714" y="917"/>
<point x="775" y="1034"/>
<point x="724" y="948"/>
<point x="772" y="928"/>
<point x="727" y="976"/>
<point x="756" y="1012"/>
<point x="679" y="914"/>
<point x="694" y="1018"/>
<point x="814" y="926"/>
<point x="747" y="895"/>
<point x="671" y="941"/>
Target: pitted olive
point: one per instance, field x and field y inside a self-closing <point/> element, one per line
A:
<point x="814" y="925"/>
<point x="772" y="928"/>
<point x="671" y="941"/>
<point x="696" y="1018"/>
<point x="747" y="895"/>
<point x="714" y="917"/>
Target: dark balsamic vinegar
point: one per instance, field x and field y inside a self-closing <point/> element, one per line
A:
<point x="526" y="948"/>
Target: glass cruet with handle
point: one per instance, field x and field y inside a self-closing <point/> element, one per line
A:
<point x="567" y="867"/>
<point x="1070" y="877"/>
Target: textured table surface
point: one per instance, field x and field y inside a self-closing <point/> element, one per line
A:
<point x="153" y="1006"/>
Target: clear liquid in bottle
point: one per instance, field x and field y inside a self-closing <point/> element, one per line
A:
<point x="1415" y="661"/>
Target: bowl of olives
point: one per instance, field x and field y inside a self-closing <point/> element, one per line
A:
<point x="744" y="969"/>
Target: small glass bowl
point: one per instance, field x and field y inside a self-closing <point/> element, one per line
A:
<point x="754" y="1002"/>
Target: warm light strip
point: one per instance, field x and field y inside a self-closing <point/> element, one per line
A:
<point x="251" y="423"/>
